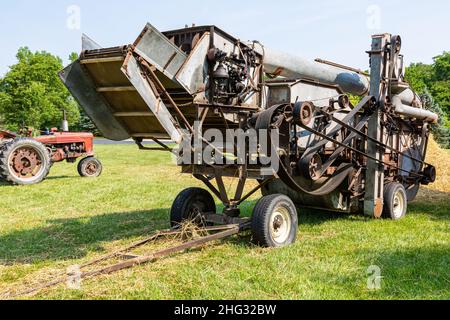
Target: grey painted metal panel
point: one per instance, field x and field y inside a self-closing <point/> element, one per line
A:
<point x="155" y="104"/>
<point x="225" y="44"/>
<point x="83" y="89"/>
<point x="193" y="75"/>
<point x="88" y="44"/>
<point x="319" y="95"/>
<point x="154" y="47"/>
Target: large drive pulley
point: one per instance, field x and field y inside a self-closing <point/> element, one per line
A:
<point x="311" y="166"/>
<point x="277" y="117"/>
<point x="304" y="113"/>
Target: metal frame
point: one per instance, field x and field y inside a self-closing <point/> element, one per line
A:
<point x="349" y="140"/>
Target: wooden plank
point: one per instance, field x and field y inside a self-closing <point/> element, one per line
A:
<point x="102" y="60"/>
<point x="116" y="89"/>
<point x="134" y="114"/>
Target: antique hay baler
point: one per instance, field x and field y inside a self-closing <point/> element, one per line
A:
<point x="290" y="123"/>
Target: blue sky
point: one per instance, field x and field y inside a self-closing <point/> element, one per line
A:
<point x="335" y="30"/>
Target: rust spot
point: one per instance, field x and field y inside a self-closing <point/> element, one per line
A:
<point x="278" y="72"/>
<point x="378" y="210"/>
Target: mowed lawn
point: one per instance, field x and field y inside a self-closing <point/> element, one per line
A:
<point x="68" y="220"/>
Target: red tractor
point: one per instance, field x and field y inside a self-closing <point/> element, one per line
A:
<point x="26" y="161"/>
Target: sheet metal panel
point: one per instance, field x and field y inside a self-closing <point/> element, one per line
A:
<point x="154" y="47"/>
<point x="88" y="44"/>
<point x="194" y="72"/>
<point x="84" y="91"/>
<point x="156" y="105"/>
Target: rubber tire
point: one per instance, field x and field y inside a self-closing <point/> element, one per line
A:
<point x="261" y="220"/>
<point x="389" y="194"/>
<point x="83" y="164"/>
<point x="179" y="212"/>
<point x="412" y="193"/>
<point x="5" y="153"/>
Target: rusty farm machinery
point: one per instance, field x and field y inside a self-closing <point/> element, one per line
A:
<point x="244" y="111"/>
<point x="25" y="160"/>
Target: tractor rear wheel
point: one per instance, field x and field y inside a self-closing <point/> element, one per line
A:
<point x="275" y="222"/>
<point x="24" y="162"/>
<point x="90" y="167"/>
<point x="190" y="205"/>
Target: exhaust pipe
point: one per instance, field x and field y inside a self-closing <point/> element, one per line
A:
<point x="65" y="123"/>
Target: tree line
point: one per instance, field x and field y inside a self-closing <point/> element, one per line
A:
<point x="32" y="95"/>
<point x="432" y="83"/>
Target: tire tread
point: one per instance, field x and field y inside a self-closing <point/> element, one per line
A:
<point x="5" y="152"/>
<point x="389" y="193"/>
<point x="261" y="214"/>
<point x="176" y="212"/>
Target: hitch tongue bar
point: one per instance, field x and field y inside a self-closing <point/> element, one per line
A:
<point x="134" y="260"/>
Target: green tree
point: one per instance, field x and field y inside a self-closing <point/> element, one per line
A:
<point x="73" y="57"/>
<point x="85" y="123"/>
<point x="442" y="67"/>
<point x="432" y="82"/>
<point x="440" y="85"/>
<point x="440" y="130"/>
<point x="31" y="93"/>
<point x="434" y="79"/>
<point x="419" y="76"/>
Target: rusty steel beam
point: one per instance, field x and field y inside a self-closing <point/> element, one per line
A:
<point x="135" y="260"/>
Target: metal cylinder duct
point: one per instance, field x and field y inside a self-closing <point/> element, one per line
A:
<point x="290" y="66"/>
<point x="412" y="112"/>
<point x="410" y="98"/>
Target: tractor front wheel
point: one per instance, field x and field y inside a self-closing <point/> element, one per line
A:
<point x="24" y="162"/>
<point x="90" y="167"/>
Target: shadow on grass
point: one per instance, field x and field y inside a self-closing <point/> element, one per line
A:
<point x="433" y="203"/>
<point x="7" y="184"/>
<point x="65" y="239"/>
<point x="307" y="216"/>
<point x="61" y="177"/>
<point x="72" y="239"/>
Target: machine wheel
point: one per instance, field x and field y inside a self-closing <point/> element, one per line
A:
<point x="412" y="193"/>
<point x="90" y="167"/>
<point x="395" y="201"/>
<point x="275" y="222"/>
<point x="190" y="204"/>
<point x="24" y="162"/>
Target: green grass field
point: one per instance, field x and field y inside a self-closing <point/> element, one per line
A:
<point x="68" y="220"/>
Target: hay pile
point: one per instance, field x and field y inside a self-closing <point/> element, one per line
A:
<point x="439" y="158"/>
<point x="440" y="190"/>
